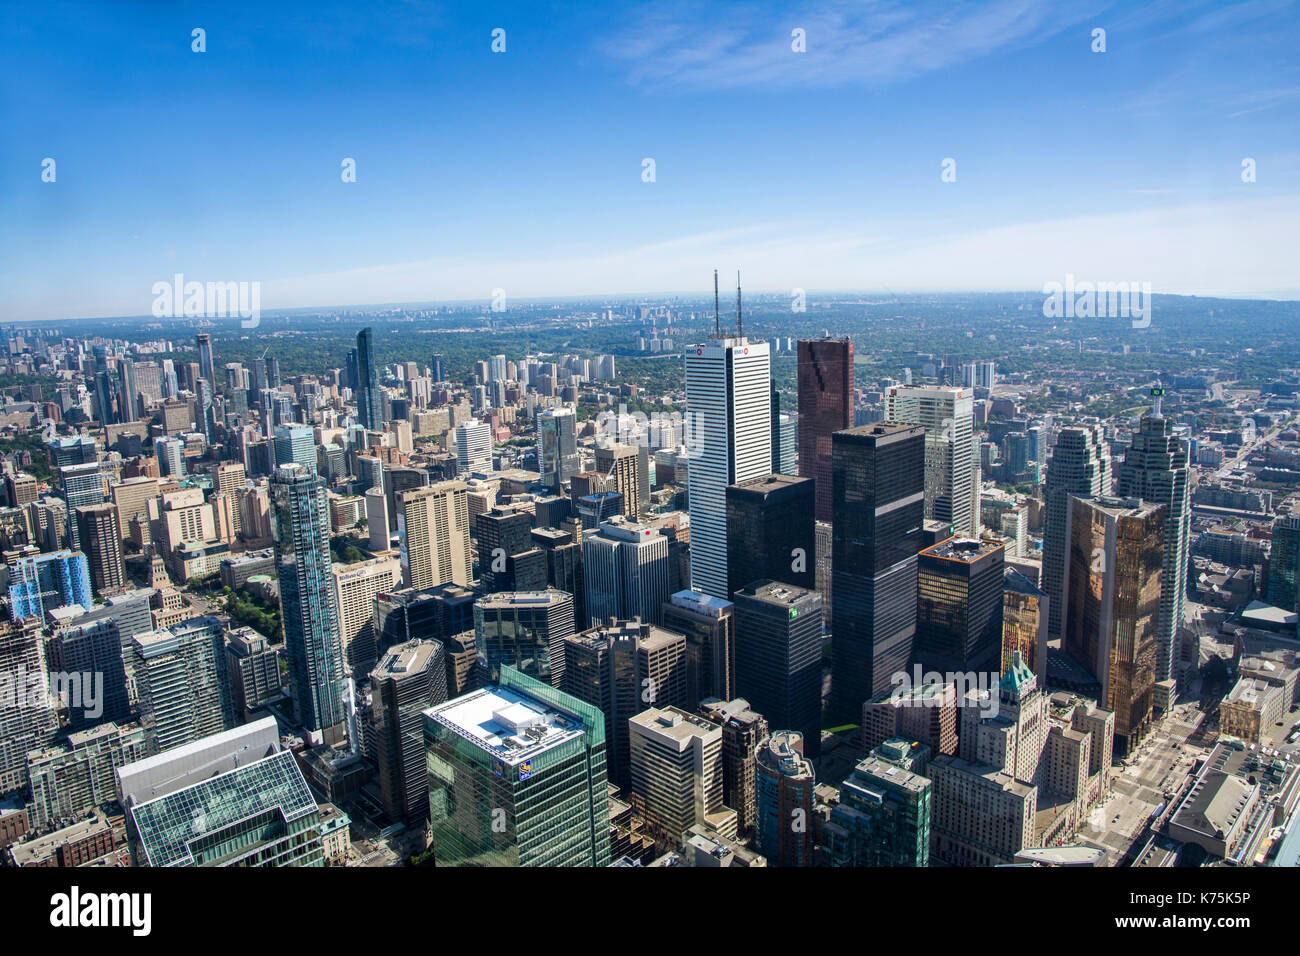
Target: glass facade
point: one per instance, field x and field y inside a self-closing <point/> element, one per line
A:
<point x="545" y="806"/>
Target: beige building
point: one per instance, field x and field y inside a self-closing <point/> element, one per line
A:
<point x="435" y="523"/>
<point x="354" y="587"/>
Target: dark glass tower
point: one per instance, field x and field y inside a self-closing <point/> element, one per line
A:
<point x="825" y="407"/>
<point x="370" y="408"/>
<point x="879" y="508"/>
<point x="770" y="532"/>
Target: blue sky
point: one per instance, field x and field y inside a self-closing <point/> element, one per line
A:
<point x="522" y="170"/>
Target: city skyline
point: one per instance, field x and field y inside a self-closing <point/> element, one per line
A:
<point x="502" y="191"/>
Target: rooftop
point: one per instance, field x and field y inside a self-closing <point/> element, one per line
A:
<point x="506" y="723"/>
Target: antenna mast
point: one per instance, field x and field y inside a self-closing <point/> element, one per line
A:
<point x="740" y="329"/>
<point x="717" y="319"/>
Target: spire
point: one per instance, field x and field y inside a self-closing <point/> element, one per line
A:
<point x="740" y="329"/>
<point x="717" y="314"/>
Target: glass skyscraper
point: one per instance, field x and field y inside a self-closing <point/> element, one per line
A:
<point x="311" y="628"/>
<point x="517" y="777"/>
<point x="370" y="407"/>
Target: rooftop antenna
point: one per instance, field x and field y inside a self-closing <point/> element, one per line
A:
<point x="740" y="329"/>
<point x="717" y="320"/>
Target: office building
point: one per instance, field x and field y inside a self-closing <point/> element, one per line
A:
<point x="89" y="655"/>
<point x="785" y="782"/>
<point x="82" y="485"/>
<point x="947" y="415"/>
<point x="508" y="558"/>
<point x="770" y="534"/>
<point x="743" y="729"/>
<point x="778" y="656"/>
<point x="1024" y="623"/>
<point x="1155" y="468"/>
<point x="473" y="447"/>
<point x="232" y="799"/>
<point x="623" y="667"/>
<point x="677" y="774"/>
<point x="625" y="572"/>
<point x="621" y="464"/>
<point x="825" y="372"/>
<point x="252" y="670"/>
<point x="181" y="683"/>
<point x="295" y="444"/>
<point x="524" y="630"/>
<point x="1112" y="598"/>
<point x="959" y="605"/>
<point x="709" y="625"/>
<point x="27" y="717"/>
<point x="730" y="408"/>
<point x="517" y="777"/>
<point x="317" y="672"/>
<point x="1080" y="465"/>
<point x="409" y="679"/>
<point x="879" y="500"/>
<point x="100" y="536"/>
<point x="1284" y="564"/>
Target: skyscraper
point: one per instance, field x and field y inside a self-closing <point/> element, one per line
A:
<point x="206" y="368"/>
<point x="879" y="501"/>
<point x="98" y="531"/>
<point x="623" y="464"/>
<point x="779" y="655"/>
<point x="370" y="406"/>
<point x="785" y="781"/>
<point x="180" y="677"/>
<point x="1112" y="594"/>
<point x="524" y="630"/>
<point x="623" y="667"/>
<point x="295" y="444"/>
<point x="729" y="404"/>
<point x="770" y="531"/>
<point x="1080" y="465"/>
<point x="709" y="624"/>
<point x="517" y="777"/>
<point x="409" y="679"/>
<point x="882" y="819"/>
<point x="625" y="572"/>
<point x="317" y="675"/>
<point x="1155" y="468"/>
<point x="743" y="729"/>
<point x="433" y="532"/>
<point x="1284" y="564"/>
<point x="959" y="606"/>
<point x="947" y="415"/>
<point x="557" y="446"/>
<point x="473" y="447"/>
<point x="677" y="774"/>
<point x="27" y="718"/>
<point x="508" y="558"/>
<point x="354" y="587"/>
<point x="825" y="369"/>
<point x="82" y="485"/>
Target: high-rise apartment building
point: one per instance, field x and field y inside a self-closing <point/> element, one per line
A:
<point x="181" y="682"/>
<point x="785" y="781"/>
<point x="879" y="501"/>
<point x="517" y="777"/>
<point x="729" y="404"/>
<point x="557" y="446"/>
<point x="1284" y="564"/>
<point x="370" y="404"/>
<point x="27" y="718"/>
<point x="622" y="463"/>
<point x="101" y="537"/>
<point x="317" y="673"/>
<point x="882" y="819"/>
<point x="433" y="531"/>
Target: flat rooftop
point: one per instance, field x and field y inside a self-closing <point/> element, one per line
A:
<point x="965" y="550"/>
<point x="507" y="724"/>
